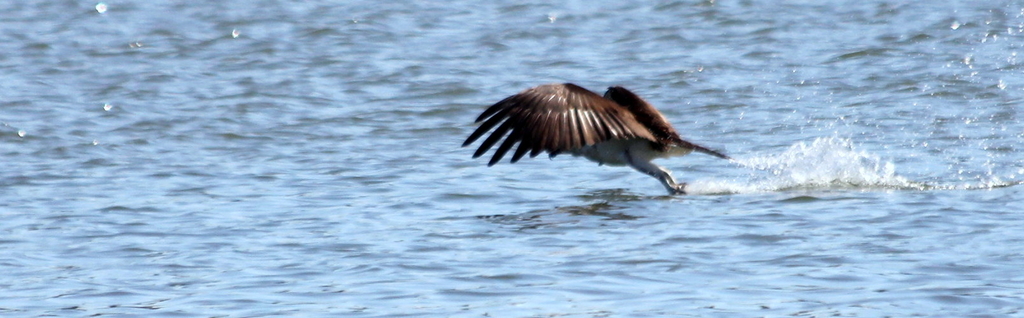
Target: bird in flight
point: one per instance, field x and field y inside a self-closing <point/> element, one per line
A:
<point x="618" y="129"/>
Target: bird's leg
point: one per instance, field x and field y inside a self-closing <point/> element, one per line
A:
<point x="646" y="166"/>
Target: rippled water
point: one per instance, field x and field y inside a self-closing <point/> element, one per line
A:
<point x="238" y="158"/>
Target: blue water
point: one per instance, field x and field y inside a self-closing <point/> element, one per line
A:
<point x="280" y="158"/>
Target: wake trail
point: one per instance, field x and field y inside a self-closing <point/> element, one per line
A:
<point x="824" y="164"/>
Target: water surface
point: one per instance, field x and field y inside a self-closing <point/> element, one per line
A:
<point x="179" y="158"/>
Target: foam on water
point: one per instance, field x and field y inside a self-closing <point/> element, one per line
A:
<point x="823" y="164"/>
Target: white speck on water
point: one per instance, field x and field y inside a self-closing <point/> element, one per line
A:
<point x="101" y="7"/>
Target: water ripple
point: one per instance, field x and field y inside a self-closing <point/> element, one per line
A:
<point x="303" y="159"/>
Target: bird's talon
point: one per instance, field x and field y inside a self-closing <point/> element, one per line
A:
<point x="679" y="189"/>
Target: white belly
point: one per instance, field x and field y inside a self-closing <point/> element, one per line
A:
<point x="615" y="152"/>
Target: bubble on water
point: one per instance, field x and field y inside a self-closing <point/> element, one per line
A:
<point x="101" y="7"/>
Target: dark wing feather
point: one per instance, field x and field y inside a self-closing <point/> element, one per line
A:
<point x="651" y="117"/>
<point x="553" y="118"/>
<point x="644" y="113"/>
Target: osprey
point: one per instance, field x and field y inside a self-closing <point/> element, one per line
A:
<point x="619" y="129"/>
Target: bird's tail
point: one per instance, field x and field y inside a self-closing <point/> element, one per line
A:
<point x="702" y="149"/>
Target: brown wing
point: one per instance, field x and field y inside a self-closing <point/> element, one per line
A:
<point x="650" y="117"/>
<point x="553" y="118"/>
<point x="645" y="114"/>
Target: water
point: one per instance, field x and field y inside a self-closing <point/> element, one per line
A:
<point x="242" y="159"/>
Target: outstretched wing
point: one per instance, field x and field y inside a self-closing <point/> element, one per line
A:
<point x="654" y="121"/>
<point x="553" y="118"/>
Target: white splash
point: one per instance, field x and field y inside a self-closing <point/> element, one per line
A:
<point x="825" y="163"/>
